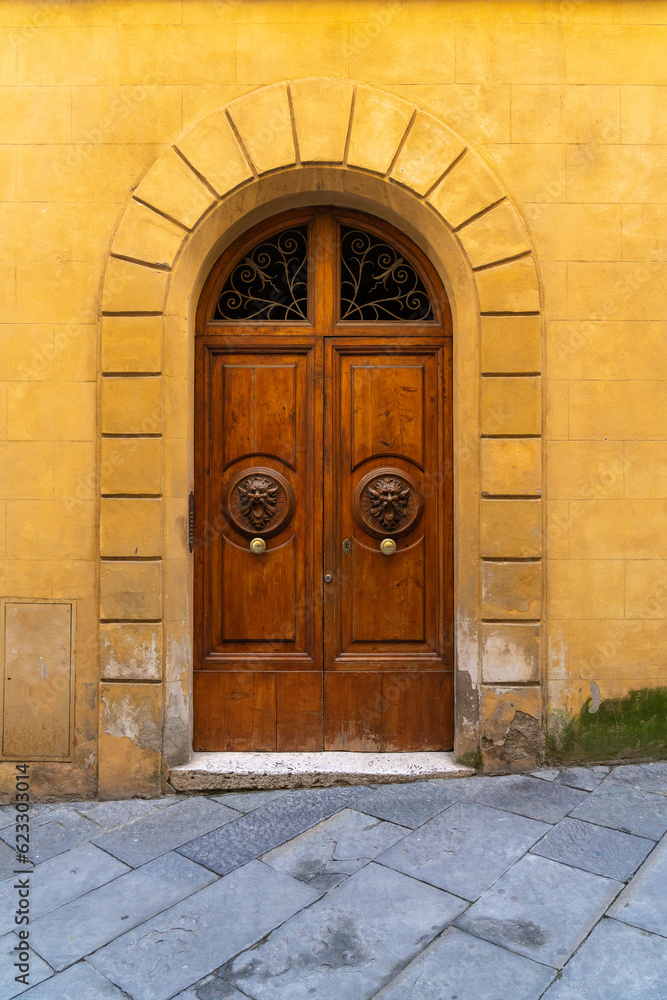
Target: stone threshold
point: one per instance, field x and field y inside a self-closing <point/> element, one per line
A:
<point x="208" y="772"/>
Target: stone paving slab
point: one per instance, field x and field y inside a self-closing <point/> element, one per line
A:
<point x="540" y="909"/>
<point x="518" y="793"/>
<point x="9" y="988"/>
<point x="59" y="880"/>
<point x="595" y="848"/>
<point x="245" y="802"/>
<point x="617" y="962"/>
<point x="464" y="849"/>
<point x="162" y="831"/>
<point x="349" y="943"/>
<point x="644" y="901"/>
<point x="81" y="927"/>
<point x="626" y="809"/>
<point x="7" y="860"/>
<point x="647" y="777"/>
<point x="212" y="988"/>
<point x="586" y="778"/>
<point x="60" y="830"/>
<point x="459" y="965"/>
<point x="80" y="982"/>
<point x="188" y="941"/>
<point x="414" y="803"/>
<point x="111" y="815"/>
<point x="330" y="852"/>
<point x="261" y="830"/>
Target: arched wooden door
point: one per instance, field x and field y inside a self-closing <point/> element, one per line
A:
<point x="323" y="496"/>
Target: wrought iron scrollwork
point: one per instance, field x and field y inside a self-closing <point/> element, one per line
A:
<point x="377" y="283"/>
<point x="271" y="282"/>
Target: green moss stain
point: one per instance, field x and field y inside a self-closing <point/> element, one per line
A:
<point x="630" y="728"/>
<point x="471" y="759"/>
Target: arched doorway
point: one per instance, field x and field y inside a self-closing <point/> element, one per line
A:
<point x="323" y="465"/>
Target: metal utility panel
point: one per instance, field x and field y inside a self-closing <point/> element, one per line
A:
<point x="37" y="679"/>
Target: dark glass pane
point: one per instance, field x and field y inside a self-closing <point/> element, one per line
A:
<point x="270" y="283"/>
<point x="377" y="283"/>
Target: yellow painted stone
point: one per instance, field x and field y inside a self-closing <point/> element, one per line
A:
<point x="546" y="114"/>
<point x="131" y="406"/>
<point x="120" y="12"/>
<point x="68" y="56"/>
<point x="126" y="114"/>
<point x="131" y="343"/>
<point x="213" y="150"/>
<point x="511" y="406"/>
<point x="645" y="475"/>
<point x="511" y="466"/>
<point x="146" y="236"/>
<point x="56" y="292"/>
<point x="511" y="344"/>
<point x="644" y="114"/>
<point x="83" y="172"/>
<point x="510" y="54"/>
<point x="479" y="111"/>
<point x="509" y="287"/>
<point x="646" y="588"/>
<point x="51" y="411"/>
<point x="618" y="529"/>
<point x="321" y="110"/>
<point x="585" y="470"/>
<point x="74" y="356"/>
<point x="468" y="189"/>
<point x="31" y="578"/>
<point x="75" y="471"/>
<point x="71" y="533"/>
<point x="178" y="470"/>
<point x="387" y="49"/>
<point x="575" y="232"/>
<point x="175" y="514"/>
<point x="264" y="121"/>
<point x="131" y="651"/>
<point x="26" y="470"/>
<point x="511" y="529"/>
<point x="585" y="588"/>
<point x="130" y="465"/>
<point x="130" y="740"/>
<point x="130" y="590"/>
<point x="644" y="230"/>
<point x="78" y="578"/>
<point x="618" y="409"/>
<point x="609" y="291"/>
<point x="130" y="527"/>
<point x="557" y="425"/>
<point x="430" y="147"/>
<point x="531" y="172"/>
<point x="31" y="113"/>
<point x="178" y="53"/>
<point x="501" y="707"/>
<point x="631" y="53"/>
<point x="284" y="48"/>
<point x="511" y="590"/>
<point x="589" y="349"/>
<point x="177" y="590"/>
<point x="616" y="174"/>
<point x="130" y="287"/>
<point x="608" y="649"/>
<point x="7" y="173"/>
<point x="496" y="235"/>
<point x="383" y="117"/>
<point x="172" y="188"/>
<point x="510" y="653"/>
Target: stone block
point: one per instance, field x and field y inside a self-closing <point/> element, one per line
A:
<point x="575" y="232"/>
<point x="213" y="150"/>
<point x="468" y="189"/>
<point x="26" y="470"/>
<point x="565" y="114"/>
<point x="512" y="53"/>
<point x="330" y="852"/>
<point x="497" y="235"/>
<point x="71" y="534"/>
<point x="510" y="653"/>
<point x="459" y="965"/>
<point x="600" y="288"/>
<point x="130" y="527"/>
<point x="348" y="942"/>
<point x="413" y="803"/>
<point x="131" y="465"/>
<point x="387" y="30"/>
<point x="511" y="406"/>
<point x="35" y="112"/>
<point x="585" y="470"/>
<point x="619" y="53"/>
<point x="130" y="738"/>
<point x="161" y="831"/>
<point x="619" y="529"/>
<point x="379" y="122"/>
<point x="156" y="959"/>
<point x="645" y="470"/>
<point x="643" y="902"/>
<point x="465" y="849"/>
<point x="617" y="410"/>
<point x="131" y="406"/>
<point x="621" y="961"/>
<point x="511" y="466"/>
<point x="518" y="793"/>
<point x="130" y="287"/>
<point x="131" y="343"/>
<point x="171" y="187"/>
<point x="511" y="590"/>
<point x="265" y="53"/>
<point x="540" y="909"/>
<point x="321" y="108"/>
<point x="582" y="588"/>
<point x="509" y="287"/>
<point x="48" y="411"/>
<point x="430" y="147"/>
<point x="511" y="727"/>
<point x="131" y="651"/>
<point x="146" y="236"/>
<point x="511" y="528"/>
<point x="627" y="809"/>
<point x="595" y="848"/>
<point x="264" y="122"/>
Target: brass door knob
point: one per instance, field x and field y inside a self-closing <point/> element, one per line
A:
<point x="388" y="546"/>
<point x="257" y="546"/>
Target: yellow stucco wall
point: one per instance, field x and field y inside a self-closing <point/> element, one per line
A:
<point x="565" y="101"/>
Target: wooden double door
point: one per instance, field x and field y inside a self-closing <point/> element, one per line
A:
<point x="323" y="552"/>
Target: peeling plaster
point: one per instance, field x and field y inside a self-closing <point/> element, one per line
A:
<point x="126" y="718"/>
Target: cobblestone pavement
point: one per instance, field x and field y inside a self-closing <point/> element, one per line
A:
<point x="487" y="888"/>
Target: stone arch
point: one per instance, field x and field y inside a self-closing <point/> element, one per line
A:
<point x="305" y="141"/>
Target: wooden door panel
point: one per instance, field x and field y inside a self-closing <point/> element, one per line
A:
<point x="387" y="412"/>
<point x="299" y="710"/>
<point x="235" y="710"/>
<point x="395" y="611"/>
<point x="259" y="412"/>
<point x="261" y="609"/>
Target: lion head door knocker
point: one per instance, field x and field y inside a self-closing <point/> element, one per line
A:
<point x="388" y="502"/>
<point x="259" y="502"/>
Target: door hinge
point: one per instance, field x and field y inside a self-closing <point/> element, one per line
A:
<point x="191" y="522"/>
